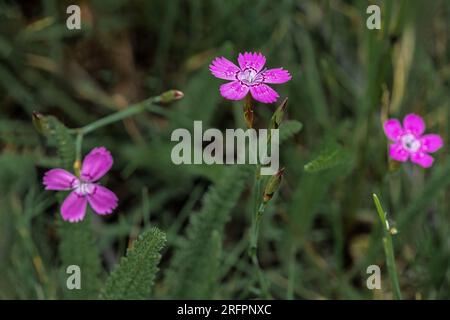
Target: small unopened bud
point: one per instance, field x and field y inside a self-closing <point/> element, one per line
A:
<point x="277" y="116"/>
<point x="170" y="96"/>
<point x="393" y="231"/>
<point x="272" y="185"/>
<point x="77" y="167"/>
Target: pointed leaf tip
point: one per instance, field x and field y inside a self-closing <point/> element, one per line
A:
<point x="38" y="119"/>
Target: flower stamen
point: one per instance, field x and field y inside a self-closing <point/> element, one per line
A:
<point x="84" y="188"/>
<point x="410" y="142"/>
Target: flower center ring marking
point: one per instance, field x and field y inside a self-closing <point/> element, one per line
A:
<point x="249" y="77"/>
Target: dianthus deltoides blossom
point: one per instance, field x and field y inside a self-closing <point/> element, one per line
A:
<point x="85" y="188"/>
<point x="250" y="76"/>
<point x="409" y="141"/>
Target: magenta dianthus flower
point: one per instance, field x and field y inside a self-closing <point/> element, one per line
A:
<point x="84" y="188"/>
<point x="248" y="77"/>
<point x="409" y="142"/>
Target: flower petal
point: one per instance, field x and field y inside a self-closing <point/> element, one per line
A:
<point x="96" y="164"/>
<point x="73" y="208"/>
<point x="223" y="68"/>
<point x="278" y="75"/>
<point x="393" y="129"/>
<point x="398" y="153"/>
<point x="251" y="60"/>
<point x="58" y="179"/>
<point x="422" y="159"/>
<point x="431" y="142"/>
<point x="102" y="200"/>
<point x="414" y="124"/>
<point x="263" y="93"/>
<point x="233" y="90"/>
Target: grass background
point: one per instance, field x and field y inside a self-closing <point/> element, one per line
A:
<point x="321" y="231"/>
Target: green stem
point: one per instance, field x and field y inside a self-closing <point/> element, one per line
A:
<point x="388" y="249"/>
<point x="146" y="105"/>
<point x="255" y="229"/>
<point x="78" y="144"/>
<point x="258" y="210"/>
<point x="253" y="251"/>
<point x="255" y="220"/>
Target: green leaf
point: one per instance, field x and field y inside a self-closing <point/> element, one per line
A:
<point x="193" y="272"/>
<point x="58" y="134"/>
<point x="133" y="278"/>
<point x="331" y="156"/>
<point x="289" y="128"/>
<point x="78" y="247"/>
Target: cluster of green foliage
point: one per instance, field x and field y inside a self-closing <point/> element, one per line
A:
<point x="319" y="232"/>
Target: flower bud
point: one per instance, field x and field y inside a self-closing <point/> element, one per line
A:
<point x="277" y="116"/>
<point x="170" y="96"/>
<point x="273" y="185"/>
<point x="39" y="122"/>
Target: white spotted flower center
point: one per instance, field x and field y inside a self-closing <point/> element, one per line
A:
<point x="410" y="142"/>
<point x="83" y="188"/>
<point x="250" y="77"/>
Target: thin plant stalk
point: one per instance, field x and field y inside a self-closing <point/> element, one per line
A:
<point x="258" y="207"/>
<point x="388" y="249"/>
<point x="146" y="105"/>
<point x="258" y="210"/>
<point x="260" y="201"/>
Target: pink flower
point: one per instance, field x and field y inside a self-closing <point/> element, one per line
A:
<point x="248" y="77"/>
<point x="409" y="142"/>
<point x="84" y="188"/>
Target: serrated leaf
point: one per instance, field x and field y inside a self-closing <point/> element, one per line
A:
<point x="133" y="278"/>
<point x="77" y="247"/>
<point x="289" y="128"/>
<point x="55" y="131"/>
<point x="331" y="156"/>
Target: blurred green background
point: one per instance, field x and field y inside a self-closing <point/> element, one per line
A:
<point x="321" y="231"/>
